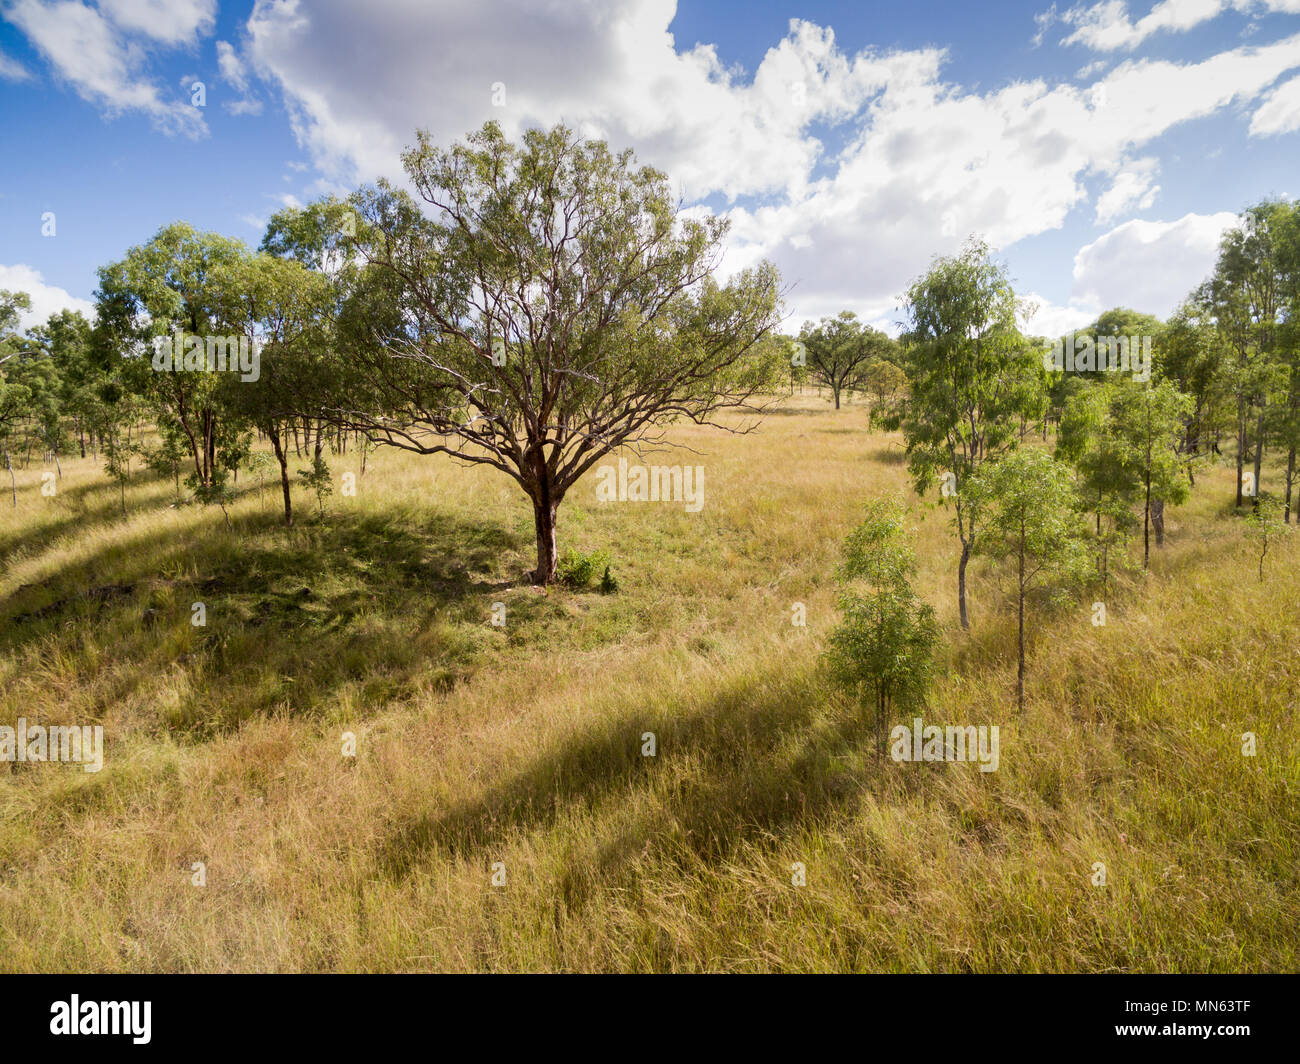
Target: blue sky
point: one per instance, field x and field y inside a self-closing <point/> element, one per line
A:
<point x="1101" y="147"/>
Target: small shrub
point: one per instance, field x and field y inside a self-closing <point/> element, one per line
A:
<point x="318" y="480"/>
<point x="608" y="583"/>
<point x="578" y="570"/>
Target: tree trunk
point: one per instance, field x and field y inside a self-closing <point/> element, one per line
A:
<point x="881" y="702"/>
<point x="211" y="460"/>
<point x="1259" y="455"/>
<point x="1241" y="445"/>
<point x="1158" y="520"/>
<point x="1290" y="481"/>
<point x="283" y="459"/>
<point x="961" y="584"/>
<point x="544" y="513"/>
<point x="1020" y="611"/>
<point x="1146" y="526"/>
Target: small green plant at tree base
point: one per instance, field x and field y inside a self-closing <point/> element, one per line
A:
<point x="1264" y="527"/>
<point x="884" y="646"/>
<point x="608" y="583"/>
<point x="318" y="480"/>
<point x="578" y="570"/>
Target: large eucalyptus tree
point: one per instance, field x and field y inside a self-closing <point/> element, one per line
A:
<point x="546" y="303"/>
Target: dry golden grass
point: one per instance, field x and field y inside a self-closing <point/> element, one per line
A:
<point x="522" y="745"/>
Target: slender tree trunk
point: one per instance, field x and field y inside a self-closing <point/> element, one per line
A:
<point x="880" y="723"/>
<point x="961" y="584"/>
<point x="1290" y="481"/>
<point x="1241" y="445"/>
<point x="211" y="460"/>
<point x="1158" y="520"/>
<point x="1020" y="618"/>
<point x="283" y="459"/>
<point x="1259" y="454"/>
<point x="1146" y="526"/>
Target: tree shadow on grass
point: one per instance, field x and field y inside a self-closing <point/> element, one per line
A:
<point x="889" y="455"/>
<point x="381" y="601"/>
<point x="86" y="505"/>
<point x="99" y="503"/>
<point x="761" y="756"/>
<point x="816" y="410"/>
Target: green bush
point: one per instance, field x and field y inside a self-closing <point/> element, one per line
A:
<point x="578" y="570"/>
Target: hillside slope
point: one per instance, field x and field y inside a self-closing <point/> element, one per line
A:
<point x="522" y="744"/>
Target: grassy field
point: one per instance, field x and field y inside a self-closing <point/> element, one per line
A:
<point x="521" y="744"/>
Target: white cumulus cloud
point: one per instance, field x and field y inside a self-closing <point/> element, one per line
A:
<point x="1279" y="113"/>
<point x="46" y="299"/>
<point x="1149" y="266"/>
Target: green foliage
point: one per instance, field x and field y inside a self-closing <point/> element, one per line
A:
<point x="1031" y="504"/>
<point x="546" y="304"/>
<point x="840" y="351"/>
<point x="1264" y="527"/>
<point x="608" y="583"/>
<point x="884" y="644"/>
<point x="318" y="480"/>
<point x="578" y="570"/>
<point x="972" y="378"/>
<point x="1252" y="298"/>
<point x="1149" y="423"/>
<point x="260" y="465"/>
<point x="14" y="395"/>
<point x="183" y="282"/>
<point x="166" y="457"/>
<point x="1031" y="511"/>
<point x="885" y="382"/>
<point x="1109" y="485"/>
